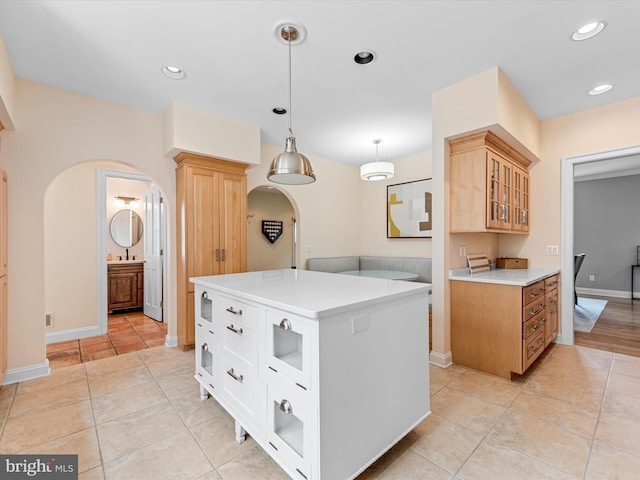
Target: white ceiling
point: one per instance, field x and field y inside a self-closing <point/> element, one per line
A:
<point x="235" y="67"/>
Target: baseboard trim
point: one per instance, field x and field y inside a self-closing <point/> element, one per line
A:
<point x="22" y="374"/>
<point x="606" y="293"/>
<point x="171" y="341"/>
<point x="72" y="334"/>
<point x="441" y="360"/>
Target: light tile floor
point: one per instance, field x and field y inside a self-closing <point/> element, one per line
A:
<point x="139" y="416"/>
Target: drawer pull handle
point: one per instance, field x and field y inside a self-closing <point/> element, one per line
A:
<point x="205" y="347"/>
<point x="285" y="407"/>
<point x="235" y="312"/>
<point x="237" y="378"/>
<point x="542" y="320"/>
<point x="533" y="328"/>
<point x="234" y="330"/>
<point x="285" y="324"/>
<point x="541" y="341"/>
<point x="302" y="474"/>
<point x="205" y="295"/>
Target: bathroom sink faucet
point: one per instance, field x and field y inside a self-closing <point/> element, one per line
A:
<point x="127" y="258"/>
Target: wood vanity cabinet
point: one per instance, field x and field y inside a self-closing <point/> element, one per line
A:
<point x="211" y="208"/>
<point x="126" y="285"/>
<point x="502" y="329"/>
<point x="489" y="186"/>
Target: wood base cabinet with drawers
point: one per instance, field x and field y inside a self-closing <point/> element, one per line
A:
<point x="323" y="392"/>
<point x="502" y="329"/>
<point x="489" y="186"/>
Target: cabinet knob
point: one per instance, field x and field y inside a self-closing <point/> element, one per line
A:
<point x="285" y="324"/>
<point x="285" y="407"/>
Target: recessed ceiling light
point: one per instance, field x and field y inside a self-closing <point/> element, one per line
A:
<point x="365" y="57"/>
<point x="587" y="31"/>
<point x="279" y="110"/>
<point x="600" y="89"/>
<point x="173" y="72"/>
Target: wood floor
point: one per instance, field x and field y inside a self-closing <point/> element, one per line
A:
<point x="617" y="329"/>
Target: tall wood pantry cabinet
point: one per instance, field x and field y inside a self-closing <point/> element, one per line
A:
<point x="211" y="206"/>
<point x="4" y="277"/>
<point x="489" y="186"/>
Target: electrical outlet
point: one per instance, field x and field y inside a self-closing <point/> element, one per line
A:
<point x="552" y="249"/>
<point x="463" y="251"/>
<point x="592" y="278"/>
<point x="307" y="248"/>
<point x="48" y="320"/>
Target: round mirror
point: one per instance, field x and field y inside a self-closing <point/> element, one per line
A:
<point x="126" y="228"/>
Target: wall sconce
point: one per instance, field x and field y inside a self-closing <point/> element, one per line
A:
<point x="121" y="201"/>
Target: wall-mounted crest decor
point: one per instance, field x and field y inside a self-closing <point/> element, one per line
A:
<point x="409" y="209"/>
<point x="272" y="229"/>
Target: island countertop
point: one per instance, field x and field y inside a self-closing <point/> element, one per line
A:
<point x="504" y="276"/>
<point x="309" y="293"/>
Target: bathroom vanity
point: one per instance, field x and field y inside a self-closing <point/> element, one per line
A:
<point x="125" y="284"/>
<point x="326" y="372"/>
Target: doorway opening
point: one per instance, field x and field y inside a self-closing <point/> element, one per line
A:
<point x="150" y="250"/>
<point x="272" y="230"/>
<point x="569" y="165"/>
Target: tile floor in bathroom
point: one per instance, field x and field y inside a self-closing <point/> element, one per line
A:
<point x="139" y="416"/>
<point x="126" y="332"/>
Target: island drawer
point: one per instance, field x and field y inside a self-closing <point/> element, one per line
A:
<point x="237" y="312"/>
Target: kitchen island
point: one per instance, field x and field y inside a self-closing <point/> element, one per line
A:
<point x="326" y="372"/>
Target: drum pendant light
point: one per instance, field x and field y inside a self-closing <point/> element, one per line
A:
<point x="373" y="171"/>
<point x="290" y="167"/>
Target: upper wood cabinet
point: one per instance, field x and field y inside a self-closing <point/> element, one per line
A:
<point x="211" y="206"/>
<point x="489" y="186"/>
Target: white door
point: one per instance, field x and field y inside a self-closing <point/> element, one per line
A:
<point x="153" y="251"/>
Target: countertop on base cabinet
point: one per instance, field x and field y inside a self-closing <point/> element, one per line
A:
<point x="501" y="328"/>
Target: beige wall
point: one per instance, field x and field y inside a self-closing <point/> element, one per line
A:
<point x="327" y="210"/>
<point x="70" y="247"/>
<point x="602" y="128"/>
<point x="56" y="129"/>
<point x="261" y="253"/>
<point x="373" y="211"/>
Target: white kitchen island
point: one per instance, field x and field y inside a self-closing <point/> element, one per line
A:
<point x="326" y="372"/>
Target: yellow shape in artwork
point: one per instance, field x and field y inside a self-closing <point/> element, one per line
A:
<point x="394" y="231"/>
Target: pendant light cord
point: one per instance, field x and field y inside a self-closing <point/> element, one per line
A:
<point x="290" y="112"/>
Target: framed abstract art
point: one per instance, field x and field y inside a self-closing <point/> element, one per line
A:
<point x="409" y="209"/>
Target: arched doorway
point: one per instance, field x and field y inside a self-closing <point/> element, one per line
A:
<point x="76" y="231"/>
<point x="270" y="251"/>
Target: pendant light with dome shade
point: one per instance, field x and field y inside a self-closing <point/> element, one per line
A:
<point x="377" y="170"/>
<point x="290" y="167"/>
